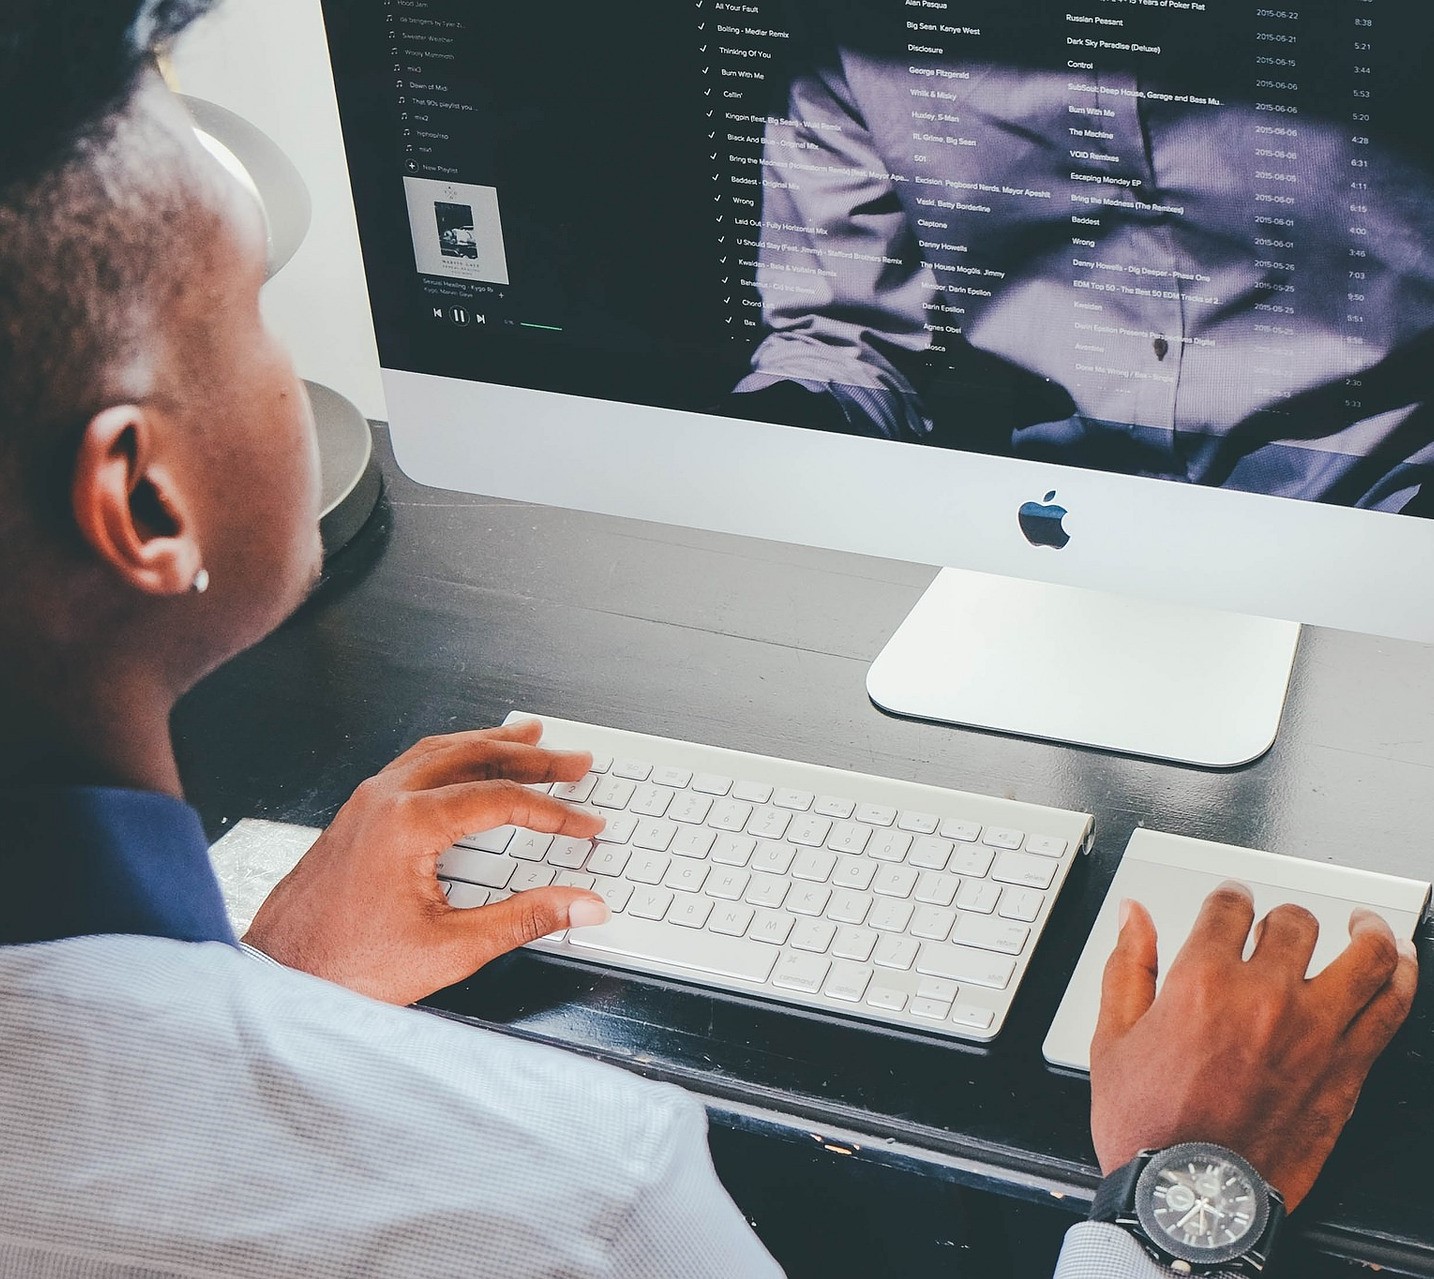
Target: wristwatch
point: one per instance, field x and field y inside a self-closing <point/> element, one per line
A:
<point x="1197" y="1208"/>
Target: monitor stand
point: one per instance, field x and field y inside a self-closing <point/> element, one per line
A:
<point x="1142" y="678"/>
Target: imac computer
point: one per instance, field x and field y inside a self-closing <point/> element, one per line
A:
<point x="1121" y="312"/>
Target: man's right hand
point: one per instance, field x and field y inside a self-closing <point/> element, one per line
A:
<point x="1248" y="1054"/>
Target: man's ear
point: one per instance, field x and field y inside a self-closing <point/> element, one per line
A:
<point x="129" y="506"/>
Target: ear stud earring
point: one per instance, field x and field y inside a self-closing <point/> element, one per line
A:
<point x="201" y="582"/>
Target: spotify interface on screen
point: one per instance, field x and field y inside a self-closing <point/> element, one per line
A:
<point x="1158" y="237"/>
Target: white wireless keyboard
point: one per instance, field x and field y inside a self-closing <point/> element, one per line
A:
<point x="857" y="896"/>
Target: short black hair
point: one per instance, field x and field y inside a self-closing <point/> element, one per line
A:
<point x="91" y="197"/>
<point x="67" y="65"/>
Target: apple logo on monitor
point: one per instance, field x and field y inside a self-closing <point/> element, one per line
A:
<point x="1041" y="523"/>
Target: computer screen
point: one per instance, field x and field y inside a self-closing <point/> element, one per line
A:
<point x="1134" y="295"/>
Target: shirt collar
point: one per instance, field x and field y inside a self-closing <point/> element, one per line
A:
<point x="82" y="860"/>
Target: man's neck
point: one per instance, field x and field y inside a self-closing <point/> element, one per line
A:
<point x="107" y="737"/>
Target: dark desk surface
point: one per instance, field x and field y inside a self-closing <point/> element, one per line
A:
<point x="450" y="610"/>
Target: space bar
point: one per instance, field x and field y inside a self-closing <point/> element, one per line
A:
<point x="683" y="947"/>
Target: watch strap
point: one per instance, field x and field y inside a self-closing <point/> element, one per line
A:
<point x="1115" y="1196"/>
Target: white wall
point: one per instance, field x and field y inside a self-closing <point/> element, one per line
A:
<point x="267" y="61"/>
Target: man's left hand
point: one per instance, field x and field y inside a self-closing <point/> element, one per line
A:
<point x="364" y="907"/>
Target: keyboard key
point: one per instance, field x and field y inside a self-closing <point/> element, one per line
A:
<point x="971" y="1015"/>
<point x="569" y="853"/>
<point x="895" y="952"/>
<point x="608" y="859"/>
<point x="474" y="867"/>
<point x="930" y="853"/>
<point x="650" y="801"/>
<point x="973" y="860"/>
<point x="813" y="935"/>
<point x="733" y="850"/>
<point x="768" y="823"/>
<point x="576" y="792"/>
<point x="574" y="879"/>
<point x="809" y="830"/>
<point x="654" y="833"/>
<point x="612" y="792"/>
<point x="529" y="846"/>
<point x="854" y="943"/>
<point x="712" y="784"/>
<point x="834" y="806"/>
<point x="808" y="899"/>
<point x="1021" y="903"/>
<point x="849" y="837"/>
<point x="847" y="982"/>
<point x="648" y="867"/>
<point x="601" y="763"/>
<point x="894" y="881"/>
<point x="1001" y="837"/>
<point x="619" y="829"/>
<point x="1045" y="846"/>
<point x="964" y="964"/>
<point x="847" y="907"/>
<point x="730" y="921"/>
<point x="767" y="890"/>
<point x="813" y="863"/>
<point x="935" y="1009"/>
<point x="635" y="769"/>
<point x="884" y="997"/>
<point x="800" y="972"/>
<point x="937" y="988"/>
<point x="936" y="888"/>
<point x="889" y="915"/>
<point x="875" y="814"/>
<point x="979" y="895"/>
<point x="991" y="934"/>
<point x="797" y="800"/>
<point x="677" y="778"/>
<point x="633" y="934"/>
<point x="688" y="910"/>
<point x="772" y="858"/>
<point x="729" y="815"/>
<point x="1024" y="870"/>
<point x="489" y="841"/>
<point x="690" y="807"/>
<point x="961" y="831"/>
<point x="692" y="841"/>
<point x="463" y="896"/>
<point x="686" y="875"/>
<point x="648" y="903"/>
<point x="933" y="923"/>
<point x="918" y="823"/>
<point x="889" y="846"/>
<point x="752" y="792"/>
<point x="615" y="892"/>
<point x="528" y="876"/>
<point x="772" y="927"/>
<point x="727" y="883"/>
<point x="854" y="872"/>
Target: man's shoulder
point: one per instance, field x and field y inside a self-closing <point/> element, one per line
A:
<point x="176" y="1066"/>
<point x="215" y="997"/>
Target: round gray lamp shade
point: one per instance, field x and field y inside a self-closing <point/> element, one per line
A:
<point x="349" y="470"/>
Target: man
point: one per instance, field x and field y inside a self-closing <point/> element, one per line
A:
<point x="173" y="1106"/>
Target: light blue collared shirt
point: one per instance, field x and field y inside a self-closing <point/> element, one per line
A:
<point x="172" y="1108"/>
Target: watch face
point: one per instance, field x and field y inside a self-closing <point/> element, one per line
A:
<point x="1201" y="1203"/>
